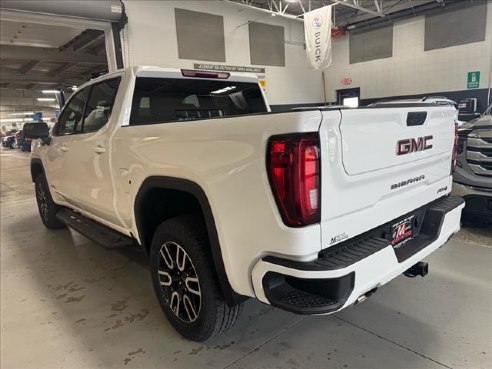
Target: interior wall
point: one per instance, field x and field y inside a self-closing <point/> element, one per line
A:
<point x="411" y="70"/>
<point x="151" y="39"/>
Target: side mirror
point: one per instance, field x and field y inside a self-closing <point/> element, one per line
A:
<point x="36" y="130"/>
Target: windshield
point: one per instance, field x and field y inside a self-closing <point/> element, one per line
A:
<point x="160" y="100"/>
<point x="488" y="111"/>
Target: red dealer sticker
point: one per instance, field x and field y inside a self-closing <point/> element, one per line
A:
<point x="402" y="231"/>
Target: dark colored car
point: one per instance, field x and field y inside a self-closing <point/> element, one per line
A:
<point x="473" y="175"/>
<point x="22" y="142"/>
<point x="9" y="140"/>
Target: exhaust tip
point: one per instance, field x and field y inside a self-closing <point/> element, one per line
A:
<point x="365" y="296"/>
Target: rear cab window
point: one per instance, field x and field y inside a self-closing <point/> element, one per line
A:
<point x="161" y="100"/>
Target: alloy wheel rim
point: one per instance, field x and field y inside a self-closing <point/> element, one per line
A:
<point x="179" y="282"/>
<point x="43" y="205"/>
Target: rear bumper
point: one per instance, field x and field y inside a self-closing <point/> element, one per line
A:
<point x="345" y="272"/>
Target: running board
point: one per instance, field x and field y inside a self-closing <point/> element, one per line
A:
<point x="96" y="232"/>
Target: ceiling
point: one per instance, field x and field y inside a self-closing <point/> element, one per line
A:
<point x="36" y="57"/>
<point x="37" y="35"/>
<point x="347" y="13"/>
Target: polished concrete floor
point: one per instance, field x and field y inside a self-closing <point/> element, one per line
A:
<point x="67" y="303"/>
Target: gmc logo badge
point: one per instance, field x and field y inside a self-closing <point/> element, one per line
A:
<point x="413" y="145"/>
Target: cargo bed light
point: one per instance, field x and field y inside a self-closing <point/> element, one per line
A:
<point x="204" y="74"/>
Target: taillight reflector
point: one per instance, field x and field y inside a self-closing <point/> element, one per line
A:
<point x="455" y="149"/>
<point x="293" y="164"/>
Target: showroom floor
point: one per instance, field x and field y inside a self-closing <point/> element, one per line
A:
<point x="67" y="303"/>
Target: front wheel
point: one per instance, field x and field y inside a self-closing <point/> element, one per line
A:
<point x="185" y="282"/>
<point x="46" y="206"/>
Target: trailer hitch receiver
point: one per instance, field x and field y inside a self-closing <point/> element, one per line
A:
<point x="419" y="269"/>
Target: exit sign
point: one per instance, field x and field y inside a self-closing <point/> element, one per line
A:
<point x="346" y="81"/>
<point x="473" y="80"/>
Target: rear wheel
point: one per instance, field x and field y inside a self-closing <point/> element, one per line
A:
<point x="46" y="206"/>
<point x="185" y="282"/>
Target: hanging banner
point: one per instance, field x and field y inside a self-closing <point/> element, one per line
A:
<point x="317" y="30"/>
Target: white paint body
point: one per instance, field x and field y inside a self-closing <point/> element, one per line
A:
<point x="99" y="175"/>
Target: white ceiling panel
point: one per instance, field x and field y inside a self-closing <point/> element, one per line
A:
<point x="39" y="35"/>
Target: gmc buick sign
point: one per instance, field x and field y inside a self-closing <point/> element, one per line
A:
<point x="409" y="145"/>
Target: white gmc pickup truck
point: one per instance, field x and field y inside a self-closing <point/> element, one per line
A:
<point x="309" y="211"/>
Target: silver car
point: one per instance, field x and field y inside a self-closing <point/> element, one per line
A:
<point x="473" y="175"/>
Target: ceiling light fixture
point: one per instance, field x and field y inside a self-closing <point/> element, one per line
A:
<point x="21" y="113"/>
<point x="13" y="120"/>
<point x="50" y="91"/>
<point x="225" y="89"/>
<point x="46" y="99"/>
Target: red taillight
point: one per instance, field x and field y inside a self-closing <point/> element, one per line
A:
<point x="204" y="74"/>
<point x="455" y="149"/>
<point x="293" y="164"/>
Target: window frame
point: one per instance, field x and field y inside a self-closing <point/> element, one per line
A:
<point x="112" y="102"/>
<point x="56" y="132"/>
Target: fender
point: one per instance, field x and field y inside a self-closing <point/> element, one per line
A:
<point x="187" y="186"/>
<point x="36" y="161"/>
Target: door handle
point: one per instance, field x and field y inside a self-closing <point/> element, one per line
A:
<point x="64" y="148"/>
<point x="99" y="150"/>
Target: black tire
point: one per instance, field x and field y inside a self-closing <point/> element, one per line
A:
<point x="46" y="206"/>
<point x="214" y="315"/>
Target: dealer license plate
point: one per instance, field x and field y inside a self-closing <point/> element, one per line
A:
<point x="402" y="231"/>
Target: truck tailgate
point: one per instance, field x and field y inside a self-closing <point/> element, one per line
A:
<point x="381" y="163"/>
<point x="370" y="137"/>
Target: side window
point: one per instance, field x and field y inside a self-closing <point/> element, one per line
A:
<point x="70" y="120"/>
<point x="100" y="105"/>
